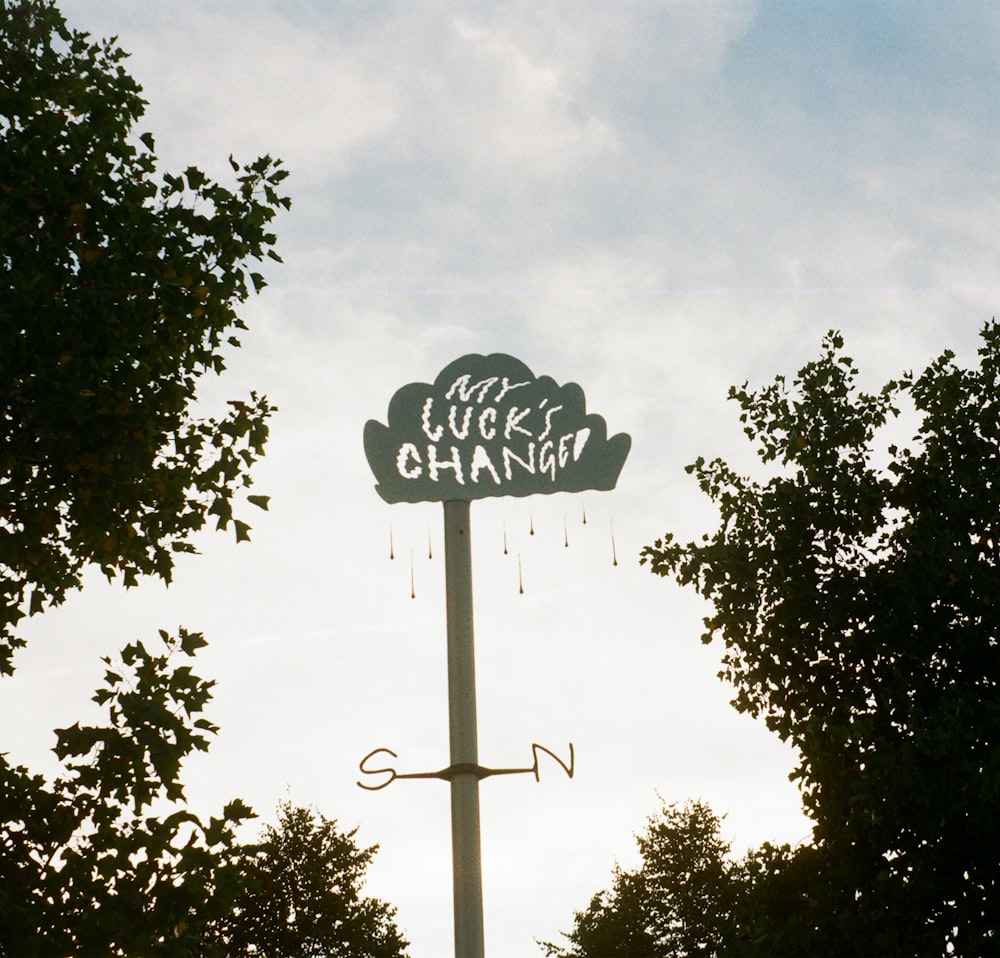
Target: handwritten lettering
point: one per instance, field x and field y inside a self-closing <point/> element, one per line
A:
<point x="488" y="427"/>
<point x="530" y="441"/>
<point x="425" y="420"/>
<point x="390" y="771"/>
<point x="488" y="414"/>
<point x="568" y="769"/>
<point x="528" y="465"/>
<point x="550" y="460"/>
<point x="434" y="465"/>
<point x="481" y="460"/>
<point x="408" y="453"/>
<point x="452" y="771"/>
<point x="455" y="431"/>
<point x="549" y="413"/>
<point x="514" y="417"/>
<point x="461" y="386"/>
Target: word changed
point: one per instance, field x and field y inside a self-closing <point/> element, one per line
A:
<point x="520" y="438"/>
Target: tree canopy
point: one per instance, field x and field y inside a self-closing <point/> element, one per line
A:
<point x="302" y="895"/>
<point x="107" y="859"/>
<point x="855" y="594"/>
<point x="679" y="902"/>
<point x="118" y="290"/>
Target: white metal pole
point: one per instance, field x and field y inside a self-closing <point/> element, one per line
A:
<point x="465" y="839"/>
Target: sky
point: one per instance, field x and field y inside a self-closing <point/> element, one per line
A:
<point x="655" y="200"/>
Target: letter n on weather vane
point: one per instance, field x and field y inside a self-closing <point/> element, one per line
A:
<point x="487" y="426"/>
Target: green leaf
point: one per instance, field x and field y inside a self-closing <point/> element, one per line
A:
<point x="192" y="641"/>
<point x="37" y="601"/>
<point x="260" y="502"/>
<point x="195" y="177"/>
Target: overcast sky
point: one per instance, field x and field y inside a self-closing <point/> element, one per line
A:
<point x="653" y="200"/>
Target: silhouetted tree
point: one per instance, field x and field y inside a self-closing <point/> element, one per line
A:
<point x="678" y="903"/>
<point x="106" y="859"/>
<point x="855" y="591"/>
<point x="303" y="895"/>
<point x="118" y="291"/>
<point x="690" y="896"/>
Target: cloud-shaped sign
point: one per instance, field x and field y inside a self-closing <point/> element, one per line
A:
<point x="487" y="426"/>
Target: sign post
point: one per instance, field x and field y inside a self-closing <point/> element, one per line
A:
<point x="486" y="427"/>
<point x="462" y="724"/>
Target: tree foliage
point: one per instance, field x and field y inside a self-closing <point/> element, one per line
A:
<point x="690" y="896"/>
<point x="303" y="895"/>
<point x="118" y="291"/>
<point x="106" y="859"/>
<point x="676" y="903"/>
<point x="855" y="594"/>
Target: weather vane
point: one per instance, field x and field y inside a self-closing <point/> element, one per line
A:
<point x="486" y="427"/>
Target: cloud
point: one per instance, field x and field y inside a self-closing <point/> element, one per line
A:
<point x="489" y="427"/>
<point x="247" y="78"/>
<point x="521" y="114"/>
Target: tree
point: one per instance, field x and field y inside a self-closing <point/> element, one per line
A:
<point x="118" y="291"/>
<point x="303" y="895"/>
<point x="690" y="896"/>
<point x="86" y="867"/>
<point x="857" y="606"/>
<point x="677" y="903"/>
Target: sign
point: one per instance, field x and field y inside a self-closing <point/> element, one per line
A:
<point x="487" y="426"/>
